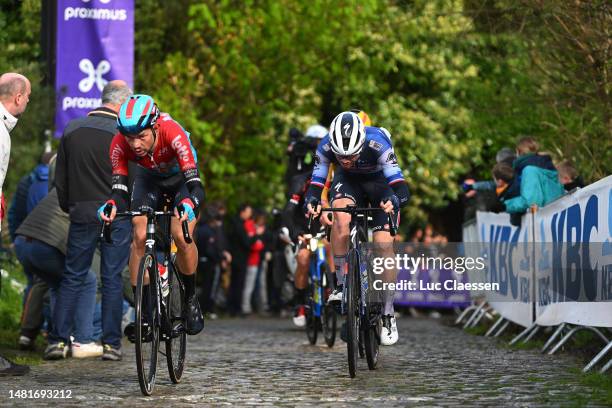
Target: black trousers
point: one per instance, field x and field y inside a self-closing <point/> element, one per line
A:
<point x="239" y="267"/>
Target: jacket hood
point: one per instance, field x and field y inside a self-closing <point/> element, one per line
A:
<point x="41" y="172"/>
<point x="543" y="161"/>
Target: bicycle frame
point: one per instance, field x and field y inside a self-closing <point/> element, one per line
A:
<point x="317" y="259"/>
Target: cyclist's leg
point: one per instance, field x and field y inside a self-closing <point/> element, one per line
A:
<point x="376" y="191"/>
<point x="301" y="284"/>
<point x="144" y="194"/>
<point x="301" y="273"/>
<point x="187" y="263"/>
<point x="345" y="191"/>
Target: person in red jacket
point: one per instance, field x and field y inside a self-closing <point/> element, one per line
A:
<point x="255" y="230"/>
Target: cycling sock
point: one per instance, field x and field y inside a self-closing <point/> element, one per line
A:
<point x="340" y="265"/>
<point x="189" y="281"/>
<point x="300" y="296"/>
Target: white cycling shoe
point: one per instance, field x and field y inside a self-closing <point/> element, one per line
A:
<point x="389" y="334"/>
<point x="336" y="296"/>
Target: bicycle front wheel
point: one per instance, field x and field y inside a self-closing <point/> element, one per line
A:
<point x="352" y="313"/>
<point x="147" y="326"/>
<point x="176" y="339"/>
<point x="371" y="338"/>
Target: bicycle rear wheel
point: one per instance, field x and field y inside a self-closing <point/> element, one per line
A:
<point x="328" y="312"/>
<point x="352" y="313"/>
<point x="176" y="339"/>
<point x="147" y="326"/>
<point x="312" y="321"/>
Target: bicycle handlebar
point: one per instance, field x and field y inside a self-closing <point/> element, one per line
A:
<point x="354" y="210"/>
<point x="106" y="230"/>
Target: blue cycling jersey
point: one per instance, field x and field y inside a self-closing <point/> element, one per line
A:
<point x="377" y="159"/>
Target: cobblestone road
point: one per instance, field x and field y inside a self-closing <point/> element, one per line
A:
<point x="266" y="361"/>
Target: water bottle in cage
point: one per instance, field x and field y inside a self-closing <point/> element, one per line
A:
<point x="163" y="273"/>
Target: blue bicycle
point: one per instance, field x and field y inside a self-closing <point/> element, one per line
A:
<point x="319" y="315"/>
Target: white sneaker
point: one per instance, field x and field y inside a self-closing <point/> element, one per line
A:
<point x="389" y="334"/>
<point x="92" y="349"/>
<point x="335" y="296"/>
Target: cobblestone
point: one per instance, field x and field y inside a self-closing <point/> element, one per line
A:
<point x="267" y="362"/>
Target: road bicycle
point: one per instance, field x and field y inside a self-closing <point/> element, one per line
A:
<point x="363" y="317"/>
<point x="319" y="315"/>
<point x="164" y="299"/>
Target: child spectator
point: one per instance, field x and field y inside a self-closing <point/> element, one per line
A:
<point x="568" y="176"/>
<point x="535" y="179"/>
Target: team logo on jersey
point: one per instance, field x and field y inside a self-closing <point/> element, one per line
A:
<point x="326" y="147"/>
<point x="375" y="145"/>
<point x="181" y="150"/>
<point x="392" y="158"/>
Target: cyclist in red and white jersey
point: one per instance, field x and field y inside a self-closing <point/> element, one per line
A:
<point x="167" y="163"/>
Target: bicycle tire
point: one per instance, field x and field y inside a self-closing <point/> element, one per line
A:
<point x="146" y="364"/>
<point x="371" y="338"/>
<point x="176" y="341"/>
<point x="352" y="313"/>
<point x="328" y="312"/>
<point x="312" y="323"/>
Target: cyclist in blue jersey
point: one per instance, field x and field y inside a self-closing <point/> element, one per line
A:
<point x="366" y="172"/>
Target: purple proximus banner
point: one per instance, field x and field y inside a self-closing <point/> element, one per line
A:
<point x="95" y="44"/>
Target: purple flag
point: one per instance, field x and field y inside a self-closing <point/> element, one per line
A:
<point x="95" y="44"/>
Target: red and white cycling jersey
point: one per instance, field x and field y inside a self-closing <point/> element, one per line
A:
<point x="173" y="152"/>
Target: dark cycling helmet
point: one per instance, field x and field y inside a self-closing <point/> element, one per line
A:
<point x="347" y="134"/>
<point x="136" y="114"/>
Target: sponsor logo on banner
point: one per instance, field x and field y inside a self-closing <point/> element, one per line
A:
<point x="94" y="76"/>
<point x="71" y="13"/>
<point x="94" y="45"/>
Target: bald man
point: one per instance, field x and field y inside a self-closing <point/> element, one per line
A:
<point x="14" y="97"/>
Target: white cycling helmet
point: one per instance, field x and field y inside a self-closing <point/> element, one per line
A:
<point x="347" y="134"/>
<point x="316" y="132"/>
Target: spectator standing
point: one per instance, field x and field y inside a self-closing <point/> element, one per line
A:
<point x="15" y="92"/>
<point x="83" y="180"/>
<point x="254" y="230"/>
<point x="223" y="270"/>
<point x="40" y="245"/>
<point x="240" y="246"/>
<point x="210" y="256"/>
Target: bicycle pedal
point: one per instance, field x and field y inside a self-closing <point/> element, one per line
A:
<point x="177" y="331"/>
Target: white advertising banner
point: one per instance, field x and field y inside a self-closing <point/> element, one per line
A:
<point x="509" y="261"/>
<point x="573" y="238"/>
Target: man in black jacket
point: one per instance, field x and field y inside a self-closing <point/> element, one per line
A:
<point x="83" y="180"/>
<point x="240" y="245"/>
